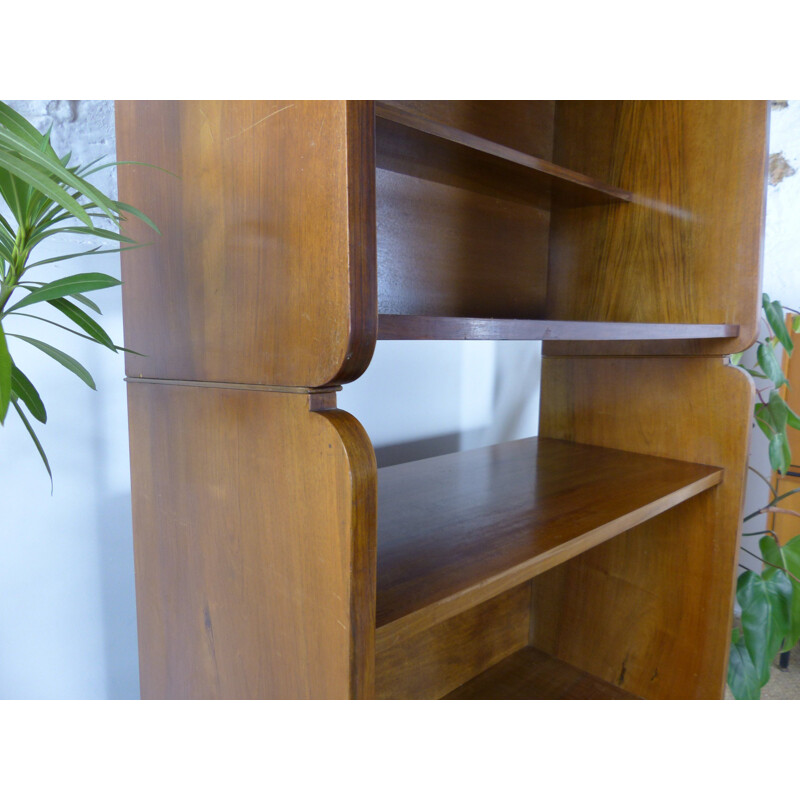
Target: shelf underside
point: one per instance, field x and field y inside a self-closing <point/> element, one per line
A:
<point x="456" y="530"/>
<point x="415" y="145"/>
<point x="530" y="674"/>
<point x="409" y="327"/>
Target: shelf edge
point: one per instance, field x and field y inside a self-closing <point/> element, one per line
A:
<point x="395" y="631"/>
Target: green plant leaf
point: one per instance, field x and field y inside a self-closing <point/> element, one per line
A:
<point x="792" y="419"/>
<point x="67" y="361"/>
<point x="775" y="319"/>
<point x="779" y="455"/>
<point x="765" y="601"/>
<point x="763" y="419"/>
<point x="778" y="410"/>
<point x="25" y="391"/>
<point x="796" y="323"/>
<point x="6" y="365"/>
<point x="35" y="441"/>
<point x="769" y="363"/>
<point x="743" y="677"/>
<point x="43" y="183"/>
<point x="65" y="287"/>
<point x="736" y="359"/>
<point x="84" y="321"/>
<point x="51" y="165"/>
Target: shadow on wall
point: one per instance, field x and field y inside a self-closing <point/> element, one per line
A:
<point x="118" y="601"/>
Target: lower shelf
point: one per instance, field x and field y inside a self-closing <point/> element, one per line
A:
<point x="530" y="674"/>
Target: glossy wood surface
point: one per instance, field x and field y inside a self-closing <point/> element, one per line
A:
<point x="688" y="248"/>
<point x="428" y="665"/>
<point x="265" y="272"/>
<point x="651" y="609"/>
<point x="530" y="674"/>
<point x="444" y="250"/>
<point x="409" y="141"/>
<point x="458" y="529"/>
<point x="398" y="326"/>
<point x="525" y="125"/>
<point x="254" y="540"/>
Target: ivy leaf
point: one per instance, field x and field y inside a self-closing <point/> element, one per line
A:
<point x="765" y="601"/>
<point x="774" y="313"/>
<point x="779" y="453"/>
<point x="743" y="677"/>
<point x="769" y="363"/>
<point x="778" y="410"/>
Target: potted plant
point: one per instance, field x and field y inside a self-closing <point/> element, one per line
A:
<point x="46" y="196"/>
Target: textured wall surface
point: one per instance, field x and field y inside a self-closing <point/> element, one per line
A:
<point x="67" y="613"/>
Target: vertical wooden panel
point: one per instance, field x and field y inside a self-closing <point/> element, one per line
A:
<point x="688" y="249"/>
<point x="265" y="272"/>
<point x="651" y="610"/>
<point x="254" y="531"/>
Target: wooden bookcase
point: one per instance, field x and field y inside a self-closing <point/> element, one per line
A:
<point x="273" y="558"/>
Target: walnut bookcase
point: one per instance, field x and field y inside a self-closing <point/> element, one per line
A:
<point x="273" y="558"/>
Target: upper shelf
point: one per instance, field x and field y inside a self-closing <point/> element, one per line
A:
<point x="402" y="326"/>
<point x="456" y="530"/>
<point x="407" y="142"/>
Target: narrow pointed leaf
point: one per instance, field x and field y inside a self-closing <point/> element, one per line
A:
<point x="84" y="321"/>
<point x="50" y="164"/>
<point x="5" y="375"/>
<point x="43" y="183"/>
<point x="136" y="213"/>
<point x="26" y="392"/>
<point x="35" y="441"/>
<point x="64" y="287"/>
<point x="67" y="361"/>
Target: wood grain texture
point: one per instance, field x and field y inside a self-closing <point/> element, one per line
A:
<point x="398" y="326"/>
<point x="447" y="251"/>
<point x="524" y="125"/>
<point x="651" y="610"/>
<point x="254" y="539"/>
<point x="688" y="248"/>
<point x="455" y="530"/>
<point x="265" y="272"/>
<point x="530" y="674"/>
<point x="407" y="141"/>
<point x="432" y="663"/>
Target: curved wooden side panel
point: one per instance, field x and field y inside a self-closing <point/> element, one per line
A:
<point x="651" y="610"/>
<point x="265" y="272"/>
<point x="254" y="537"/>
<point x="688" y="248"/>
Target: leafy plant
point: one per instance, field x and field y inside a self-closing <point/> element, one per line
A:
<point x="769" y="599"/>
<point x="48" y="197"/>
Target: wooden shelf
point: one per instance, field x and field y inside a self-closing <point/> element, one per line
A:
<point x="407" y="142"/>
<point x="403" y="326"/>
<point x="456" y="530"/>
<point x="530" y="674"/>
